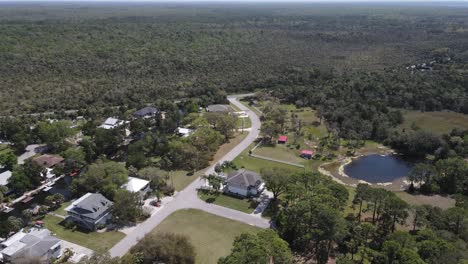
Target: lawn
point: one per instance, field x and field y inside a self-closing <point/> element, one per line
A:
<point x="239" y="204"/>
<point x="211" y="235"/>
<point x="247" y="122"/>
<point x="99" y="242"/>
<point x="437" y="122"/>
<point x="255" y="164"/>
<point x="61" y="209"/>
<point x="181" y="179"/>
<point x="280" y="152"/>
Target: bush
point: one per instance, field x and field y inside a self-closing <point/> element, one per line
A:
<point x="168" y="190"/>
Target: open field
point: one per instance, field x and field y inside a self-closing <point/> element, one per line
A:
<point x="100" y="242"/>
<point x="433" y="200"/>
<point x="254" y="164"/>
<point x="211" y="235"/>
<point x="437" y="122"/>
<point x="239" y="204"/>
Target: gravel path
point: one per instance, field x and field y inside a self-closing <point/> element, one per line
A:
<point x="188" y="198"/>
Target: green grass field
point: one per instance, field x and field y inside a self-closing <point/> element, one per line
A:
<point x="211" y="235"/>
<point x="180" y="179"/>
<point x="243" y="205"/>
<point x="100" y="242"/>
<point x="61" y="209"/>
<point x="437" y="122"/>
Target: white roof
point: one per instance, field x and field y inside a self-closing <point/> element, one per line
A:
<point x="135" y="184"/>
<point x="184" y="131"/>
<point x="111" y="121"/>
<point x="4" y="176"/>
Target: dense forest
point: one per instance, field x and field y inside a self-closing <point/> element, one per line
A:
<point x="73" y="56"/>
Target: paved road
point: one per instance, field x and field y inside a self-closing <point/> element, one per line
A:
<point x="188" y="197"/>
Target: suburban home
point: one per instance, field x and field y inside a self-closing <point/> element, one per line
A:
<point x="146" y="112"/>
<point x="184" y="132"/>
<point x="48" y="162"/>
<point x="136" y="185"/>
<point x="219" y="108"/>
<point x="37" y="243"/>
<point x="90" y="211"/>
<point x="4" y="176"/>
<point x="244" y="183"/>
<point x="307" y="154"/>
<point x="111" y="123"/>
<point x="282" y="139"/>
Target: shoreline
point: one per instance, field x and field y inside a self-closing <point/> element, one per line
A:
<point x="400" y="183"/>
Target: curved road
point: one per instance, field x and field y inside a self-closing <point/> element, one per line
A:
<point x="188" y="198"/>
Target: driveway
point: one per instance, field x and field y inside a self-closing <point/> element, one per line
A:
<point x="188" y="197"/>
<point x="31" y="150"/>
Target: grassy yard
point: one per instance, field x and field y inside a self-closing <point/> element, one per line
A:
<point x="212" y="236"/>
<point x="433" y="200"/>
<point x="181" y="178"/>
<point x="280" y="152"/>
<point x="100" y="242"/>
<point x="247" y="122"/>
<point x="437" y="122"/>
<point x="243" y="205"/>
<point x="254" y="164"/>
<point x="61" y="209"/>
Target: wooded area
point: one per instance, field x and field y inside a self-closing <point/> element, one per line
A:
<point x="77" y="56"/>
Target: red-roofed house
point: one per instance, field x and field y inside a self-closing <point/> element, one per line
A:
<point x="307" y="154"/>
<point x="282" y="139"/>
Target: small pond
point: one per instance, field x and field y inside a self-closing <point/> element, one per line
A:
<point x="377" y="168"/>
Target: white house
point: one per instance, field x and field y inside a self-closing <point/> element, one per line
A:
<point x="184" y="132"/>
<point x="37" y="243"/>
<point x="244" y="183"/>
<point x="111" y="123"/>
<point x="4" y="176"/>
<point x="137" y="185"/>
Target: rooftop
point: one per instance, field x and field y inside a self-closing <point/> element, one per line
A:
<point x="4" y="176"/>
<point x="145" y="111"/>
<point x="244" y="178"/>
<point x="36" y="243"/>
<point x="47" y="160"/>
<point x="91" y="205"/>
<point x="282" y="138"/>
<point x="135" y="184"/>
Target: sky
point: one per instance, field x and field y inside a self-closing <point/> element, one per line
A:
<point x="251" y="1"/>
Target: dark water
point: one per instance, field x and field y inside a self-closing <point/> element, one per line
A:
<point x="376" y="168"/>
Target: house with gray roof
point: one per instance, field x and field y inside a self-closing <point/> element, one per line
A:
<point x="146" y="112"/>
<point x="90" y="211"/>
<point x="37" y="243"/>
<point x="219" y="108"/>
<point x="4" y="176"/>
<point x="244" y="183"/>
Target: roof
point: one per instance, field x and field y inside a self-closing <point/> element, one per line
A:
<point x="91" y="205"/>
<point x="145" y="111"/>
<point x="282" y="138"/>
<point x="4" y="176"/>
<point x="135" y="184"/>
<point x="219" y="108"/>
<point x="243" y="178"/>
<point x="184" y="131"/>
<point x="111" y="121"/>
<point x="307" y="152"/>
<point x="47" y="160"/>
<point x="36" y="243"/>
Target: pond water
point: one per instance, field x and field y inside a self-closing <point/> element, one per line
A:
<point x="377" y="168"/>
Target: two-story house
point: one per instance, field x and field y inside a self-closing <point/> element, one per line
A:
<point x="90" y="211"/>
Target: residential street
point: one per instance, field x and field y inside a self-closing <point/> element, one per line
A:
<point x="188" y="197"/>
